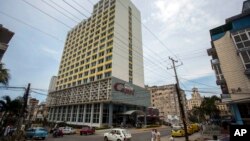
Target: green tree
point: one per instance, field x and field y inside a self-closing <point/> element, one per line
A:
<point x="209" y="107"/>
<point x="11" y="110"/>
<point x="4" y="75"/>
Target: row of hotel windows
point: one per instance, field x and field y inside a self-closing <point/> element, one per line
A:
<point x="242" y="42"/>
<point x="89" y="44"/>
<point x="86" y="51"/>
<point x="85" y="73"/>
<point x="83" y="81"/>
<point x="83" y="60"/>
<point x="89" y="34"/>
<point x="103" y="5"/>
<point x="78" y="67"/>
<point x="70" y="114"/>
<point x="93" y="24"/>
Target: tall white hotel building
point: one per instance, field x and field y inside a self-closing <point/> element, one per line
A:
<point x="101" y="78"/>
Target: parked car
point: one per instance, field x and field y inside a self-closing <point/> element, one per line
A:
<point x="87" y="130"/>
<point x="117" y="134"/>
<point x="67" y="130"/>
<point x="36" y="133"/>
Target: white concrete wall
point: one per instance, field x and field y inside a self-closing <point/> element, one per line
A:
<point x="120" y="68"/>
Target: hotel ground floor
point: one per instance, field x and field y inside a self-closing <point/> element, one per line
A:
<point x="97" y="114"/>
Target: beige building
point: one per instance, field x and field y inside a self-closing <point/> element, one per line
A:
<point x="165" y="99"/>
<point x="101" y="71"/>
<point x="231" y="61"/>
<point x="195" y="100"/>
<point x="40" y="112"/>
<point x="223" y="107"/>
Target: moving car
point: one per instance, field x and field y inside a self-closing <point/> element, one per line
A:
<point x="36" y="133"/>
<point x="117" y="134"/>
<point x="86" y="130"/>
<point x="67" y="130"/>
<point x="177" y="131"/>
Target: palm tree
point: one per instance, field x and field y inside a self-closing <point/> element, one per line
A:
<point x="4" y="75"/>
<point x="10" y="109"/>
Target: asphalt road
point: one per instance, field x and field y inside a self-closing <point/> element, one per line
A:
<point x="138" y="135"/>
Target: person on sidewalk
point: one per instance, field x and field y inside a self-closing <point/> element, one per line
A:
<point x="153" y="135"/>
<point x="158" y="135"/>
<point x="171" y="138"/>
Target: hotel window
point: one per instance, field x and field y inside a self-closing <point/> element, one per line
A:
<point x="110" y="43"/>
<point x="102" y="47"/>
<point x="87" y="66"/>
<point x="96" y="113"/>
<point x="100" y="61"/>
<point x="80" y="116"/>
<point x="242" y="43"/>
<point x="85" y="81"/>
<point x="108" y="58"/>
<point x="107" y="74"/>
<point x="99" y="69"/>
<point x="94" y="57"/>
<point x="91" y="79"/>
<point x="79" y="82"/>
<point x="88" y="113"/>
<point x="101" y="54"/>
<point x="108" y="66"/>
<point x="69" y="113"/>
<point x="74" y="113"/>
<point x="109" y="50"/>
<point x="93" y="64"/>
<point x="99" y="76"/>
<point x="92" y="71"/>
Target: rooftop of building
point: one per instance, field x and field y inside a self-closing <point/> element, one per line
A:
<point x="5" y="34"/>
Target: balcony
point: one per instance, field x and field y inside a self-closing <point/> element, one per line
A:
<point x="221" y="82"/>
<point x="226" y="97"/>
<point x="215" y="61"/>
<point x="211" y="51"/>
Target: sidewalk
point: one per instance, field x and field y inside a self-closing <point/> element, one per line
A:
<point x="197" y="137"/>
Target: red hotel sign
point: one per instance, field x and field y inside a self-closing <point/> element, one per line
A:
<point x="125" y="88"/>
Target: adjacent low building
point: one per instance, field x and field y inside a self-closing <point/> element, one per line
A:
<point x="165" y="99"/>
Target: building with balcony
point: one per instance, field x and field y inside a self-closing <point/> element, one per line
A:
<point x="231" y="62"/>
<point x="195" y="100"/>
<point x="223" y="107"/>
<point x="40" y="112"/>
<point x="165" y="99"/>
<point x="101" y="73"/>
<point x="5" y="37"/>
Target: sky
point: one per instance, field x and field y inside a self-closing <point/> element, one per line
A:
<point x="170" y="28"/>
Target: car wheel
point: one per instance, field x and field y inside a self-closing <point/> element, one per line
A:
<point x="80" y="133"/>
<point x="118" y="140"/>
<point x="106" y="139"/>
<point x="43" y="138"/>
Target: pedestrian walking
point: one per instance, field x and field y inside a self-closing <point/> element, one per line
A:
<point x="158" y="135"/>
<point x="171" y="138"/>
<point x="153" y="135"/>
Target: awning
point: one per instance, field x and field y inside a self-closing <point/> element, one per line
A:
<point x="130" y="112"/>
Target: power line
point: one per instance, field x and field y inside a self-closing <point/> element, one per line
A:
<point x="58" y="10"/>
<point x="65" y="10"/>
<point x="31" y="26"/>
<point x="47" y="14"/>
<point x="75" y="9"/>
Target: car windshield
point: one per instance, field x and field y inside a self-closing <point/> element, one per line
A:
<point x="125" y="132"/>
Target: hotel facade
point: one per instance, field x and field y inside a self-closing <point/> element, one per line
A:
<point x="101" y="74"/>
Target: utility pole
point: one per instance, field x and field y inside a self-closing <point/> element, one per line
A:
<point x="183" y="116"/>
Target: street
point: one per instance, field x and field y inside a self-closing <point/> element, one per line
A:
<point x="137" y="135"/>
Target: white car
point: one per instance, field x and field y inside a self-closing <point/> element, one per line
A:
<point x="67" y="130"/>
<point x="117" y="134"/>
